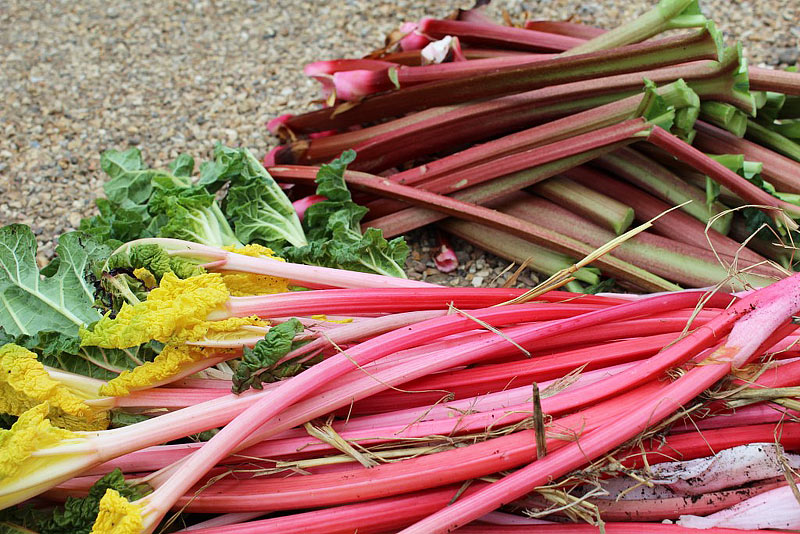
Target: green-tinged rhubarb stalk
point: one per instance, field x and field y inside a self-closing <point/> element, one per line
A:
<point x="662" y="183"/>
<point x="781" y="212"/>
<point x="733" y="87"/>
<point x="698" y="45"/>
<point x="686" y="264"/>
<point x="773" y="140"/>
<point x="666" y="15"/>
<point x="442" y="206"/>
<point x="518" y="250"/>
<point x="725" y="116"/>
<point x="651" y="104"/>
<point x="675" y="224"/>
<point x="780" y="171"/>
<point x="778" y="81"/>
<point x="597" y="207"/>
<point x="389" y="143"/>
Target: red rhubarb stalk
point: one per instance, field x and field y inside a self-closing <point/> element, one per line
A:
<point x="754" y="319"/>
<point x="782" y="212"/>
<point x="695" y="46"/>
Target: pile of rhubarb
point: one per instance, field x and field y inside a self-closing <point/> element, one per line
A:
<point x="236" y="349"/>
<point x="367" y="403"/>
<point x="543" y="141"/>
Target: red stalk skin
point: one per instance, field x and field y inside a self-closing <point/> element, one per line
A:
<point x="691" y="445"/>
<point x="382" y="300"/>
<point x="537" y="154"/>
<point x="610" y="528"/>
<point x="242" y="427"/>
<point x="648" y="55"/>
<point x="496" y="35"/>
<point x="778" y="81"/>
<point x="773" y="305"/>
<point x="412" y="58"/>
<point x="352" y="85"/>
<point x="723" y="175"/>
<point x="299" y="387"/>
<point x="583" y="32"/>
<point x="500" y="376"/>
<point x="676" y="224"/>
<point x="780" y="171"/>
<point x="390" y="143"/>
<point x="544" y="134"/>
<point x="454" y="465"/>
<point x="500" y="221"/>
<point x="376" y="516"/>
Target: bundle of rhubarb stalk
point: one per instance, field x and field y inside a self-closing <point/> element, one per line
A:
<point x="205" y="355"/>
<point x="564" y="129"/>
<point x="367" y="403"/>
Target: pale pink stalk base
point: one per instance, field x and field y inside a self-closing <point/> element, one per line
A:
<point x="775" y="509"/>
<point x="445" y="259"/>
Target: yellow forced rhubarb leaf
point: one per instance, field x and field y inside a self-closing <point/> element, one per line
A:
<point x="173" y="306"/>
<point x="24" y="383"/>
<point x="31" y="431"/>
<point x="219" y="329"/>
<point x="174" y="360"/>
<point x="117" y="515"/>
<point x="147" y="278"/>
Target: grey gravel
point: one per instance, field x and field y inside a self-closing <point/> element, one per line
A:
<point x="81" y="77"/>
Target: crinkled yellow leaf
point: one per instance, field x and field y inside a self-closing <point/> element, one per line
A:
<point x="219" y="329"/>
<point x="173" y="360"/>
<point x="147" y="278"/>
<point x="117" y="515"/>
<point x="32" y="431"/>
<point x="246" y="284"/>
<point x="253" y="250"/>
<point x="173" y="306"/>
<point x="24" y="383"/>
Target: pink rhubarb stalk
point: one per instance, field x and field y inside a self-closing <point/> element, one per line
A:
<point x="754" y="320"/>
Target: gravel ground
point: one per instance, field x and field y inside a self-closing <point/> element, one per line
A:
<point x="78" y="78"/>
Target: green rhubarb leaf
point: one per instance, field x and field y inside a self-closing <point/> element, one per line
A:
<point x="192" y="214"/>
<point x="330" y="178"/>
<point x="22" y="519"/>
<point x="62" y="351"/>
<point x="255" y="367"/>
<point x="333" y="228"/>
<point x="183" y="166"/>
<point x="63" y="301"/>
<point x="155" y="259"/>
<point x="255" y="203"/>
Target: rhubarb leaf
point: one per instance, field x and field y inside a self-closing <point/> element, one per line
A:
<point x="61" y="301"/>
<point x="182" y="166"/>
<point x="254" y="368"/>
<point x="255" y="203"/>
<point x="334" y="230"/>
<point x="192" y="214"/>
